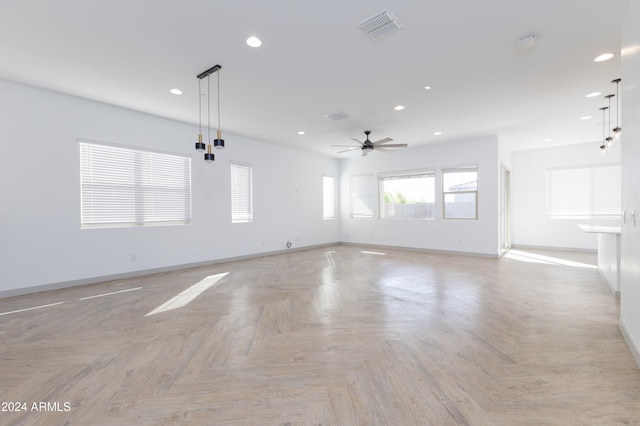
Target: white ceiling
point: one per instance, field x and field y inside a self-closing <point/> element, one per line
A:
<point x="315" y="61"/>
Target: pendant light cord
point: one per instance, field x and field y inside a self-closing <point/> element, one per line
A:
<point x="199" y="106"/>
<point x="219" y="99"/>
<point x="617" y="105"/>
<point x="609" y="118"/>
<point x="208" y="111"/>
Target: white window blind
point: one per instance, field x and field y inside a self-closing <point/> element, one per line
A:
<point x="132" y="187"/>
<point x="241" y="193"/>
<point x="408" y="195"/>
<point x="361" y="196"/>
<point x="584" y="192"/>
<point x="328" y="197"/>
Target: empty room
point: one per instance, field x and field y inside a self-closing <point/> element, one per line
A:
<point x="319" y="213"/>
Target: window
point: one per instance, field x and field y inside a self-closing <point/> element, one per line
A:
<point x="407" y="196"/>
<point x="131" y="187"/>
<point x="460" y="193"/>
<point x="328" y="197"/>
<point x="241" y="193"/>
<point x="584" y="192"/>
<point x="361" y="196"/>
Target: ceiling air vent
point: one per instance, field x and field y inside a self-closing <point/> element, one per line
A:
<point x="380" y="25"/>
<point x="337" y="116"/>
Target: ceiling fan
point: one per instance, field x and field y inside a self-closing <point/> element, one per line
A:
<point x="368" y="146"/>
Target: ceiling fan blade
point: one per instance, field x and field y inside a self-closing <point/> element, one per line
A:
<point x="379" y="148"/>
<point x="365" y="152"/>
<point x="394" y="145"/>
<point x="348" y="150"/>
<point x="381" y="141"/>
<point x="356" y="140"/>
<point x="346" y="146"/>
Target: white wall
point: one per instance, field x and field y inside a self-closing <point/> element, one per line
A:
<point x="630" y="123"/>
<point x="469" y="236"/>
<point x="41" y="242"/>
<point x="530" y="224"/>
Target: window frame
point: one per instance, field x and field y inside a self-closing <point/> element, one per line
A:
<point x="328" y="197"/>
<point x="123" y="186"/>
<point x="586" y="195"/>
<point x="399" y="175"/>
<point x="459" y="169"/>
<point x="246" y="215"/>
<point x="371" y="193"/>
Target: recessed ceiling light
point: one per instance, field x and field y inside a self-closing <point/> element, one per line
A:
<point x="427" y="87"/>
<point x="301" y="132"/>
<point x="399" y="107"/>
<point x="586" y="117"/>
<point x="176" y="91"/>
<point x="593" y="94"/>
<point x="437" y="133"/>
<point x="254" y="42"/>
<point x="604" y="57"/>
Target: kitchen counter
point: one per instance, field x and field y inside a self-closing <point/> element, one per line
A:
<point x="608" y="254"/>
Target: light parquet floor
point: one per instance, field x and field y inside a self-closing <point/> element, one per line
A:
<point x="328" y="336"/>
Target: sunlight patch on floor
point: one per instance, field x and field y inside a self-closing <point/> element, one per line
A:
<point x="30" y="309"/>
<point x="109" y="294"/>
<point x="524" y="256"/>
<point x="188" y="295"/>
<point x="329" y="255"/>
<point x="373" y="252"/>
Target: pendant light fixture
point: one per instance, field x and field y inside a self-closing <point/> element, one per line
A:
<point x="218" y="142"/>
<point x="208" y="156"/>
<point x="603" y="147"/>
<point x="609" y="139"/>
<point x="617" y="130"/>
<point x="200" y="147"/>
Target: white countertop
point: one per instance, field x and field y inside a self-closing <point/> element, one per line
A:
<point x="601" y="229"/>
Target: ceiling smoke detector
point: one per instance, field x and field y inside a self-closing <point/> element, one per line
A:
<point x="526" y="42"/>
<point x="380" y="24"/>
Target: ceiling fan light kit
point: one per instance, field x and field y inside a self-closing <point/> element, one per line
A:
<point x="368" y="146"/>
